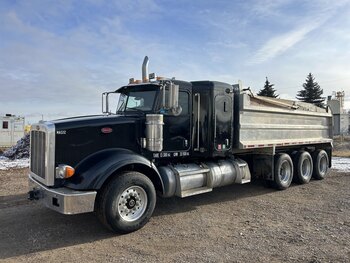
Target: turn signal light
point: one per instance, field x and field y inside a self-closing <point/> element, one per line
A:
<point x="69" y="171"/>
<point x="64" y="171"/>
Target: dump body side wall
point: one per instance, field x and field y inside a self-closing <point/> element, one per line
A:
<point x="261" y="125"/>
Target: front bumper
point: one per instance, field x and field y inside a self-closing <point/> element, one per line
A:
<point x="63" y="200"/>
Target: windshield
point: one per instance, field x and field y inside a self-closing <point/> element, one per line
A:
<point x="137" y="100"/>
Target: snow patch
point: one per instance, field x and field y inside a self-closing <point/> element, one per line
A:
<point x="341" y="164"/>
<point x="6" y="163"/>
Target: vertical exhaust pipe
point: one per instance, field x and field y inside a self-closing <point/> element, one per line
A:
<point x="145" y="69"/>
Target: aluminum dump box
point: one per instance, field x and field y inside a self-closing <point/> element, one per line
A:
<point x="267" y="122"/>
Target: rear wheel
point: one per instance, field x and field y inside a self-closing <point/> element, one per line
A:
<point x="303" y="167"/>
<point x="283" y="171"/>
<point x="321" y="164"/>
<point x="127" y="202"/>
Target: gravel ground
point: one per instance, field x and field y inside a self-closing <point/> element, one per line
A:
<point x="238" y="223"/>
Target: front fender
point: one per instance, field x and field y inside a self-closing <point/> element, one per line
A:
<point x="94" y="170"/>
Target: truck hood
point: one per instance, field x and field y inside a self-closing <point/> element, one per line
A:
<point x="93" y="121"/>
<point x="77" y="138"/>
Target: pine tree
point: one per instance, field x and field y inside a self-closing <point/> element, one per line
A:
<point x="268" y="91"/>
<point x="312" y="92"/>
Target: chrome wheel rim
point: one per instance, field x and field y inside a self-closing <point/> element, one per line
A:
<point x="285" y="172"/>
<point x="323" y="165"/>
<point x="132" y="203"/>
<point x="306" y="168"/>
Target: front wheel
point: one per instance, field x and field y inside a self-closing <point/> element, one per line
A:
<point x="127" y="202"/>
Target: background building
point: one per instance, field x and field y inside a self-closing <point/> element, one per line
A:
<point x="11" y="130"/>
<point x="340" y="116"/>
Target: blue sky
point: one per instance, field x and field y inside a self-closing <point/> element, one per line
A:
<point x="57" y="57"/>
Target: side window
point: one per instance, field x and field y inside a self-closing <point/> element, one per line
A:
<point x="5" y="125"/>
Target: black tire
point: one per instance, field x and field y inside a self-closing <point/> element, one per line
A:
<point x="303" y="167"/>
<point x="270" y="184"/>
<point x="321" y="164"/>
<point x="127" y="202"/>
<point x="283" y="171"/>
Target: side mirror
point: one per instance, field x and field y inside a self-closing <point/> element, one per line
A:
<point x="108" y="103"/>
<point x="105" y="106"/>
<point x="173" y="99"/>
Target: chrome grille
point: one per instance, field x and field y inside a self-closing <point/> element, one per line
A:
<point x="42" y="152"/>
<point x="37" y="153"/>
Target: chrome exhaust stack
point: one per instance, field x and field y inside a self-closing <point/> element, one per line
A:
<point x="145" y="69"/>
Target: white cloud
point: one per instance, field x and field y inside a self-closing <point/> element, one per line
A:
<point x="283" y="42"/>
<point x="267" y="8"/>
<point x="280" y="44"/>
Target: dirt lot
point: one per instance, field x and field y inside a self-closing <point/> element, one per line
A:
<point x="341" y="146"/>
<point x="239" y="223"/>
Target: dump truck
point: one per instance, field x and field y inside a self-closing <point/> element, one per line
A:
<point x="171" y="138"/>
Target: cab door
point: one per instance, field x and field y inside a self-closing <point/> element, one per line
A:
<point x="223" y="112"/>
<point x="176" y="130"/>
